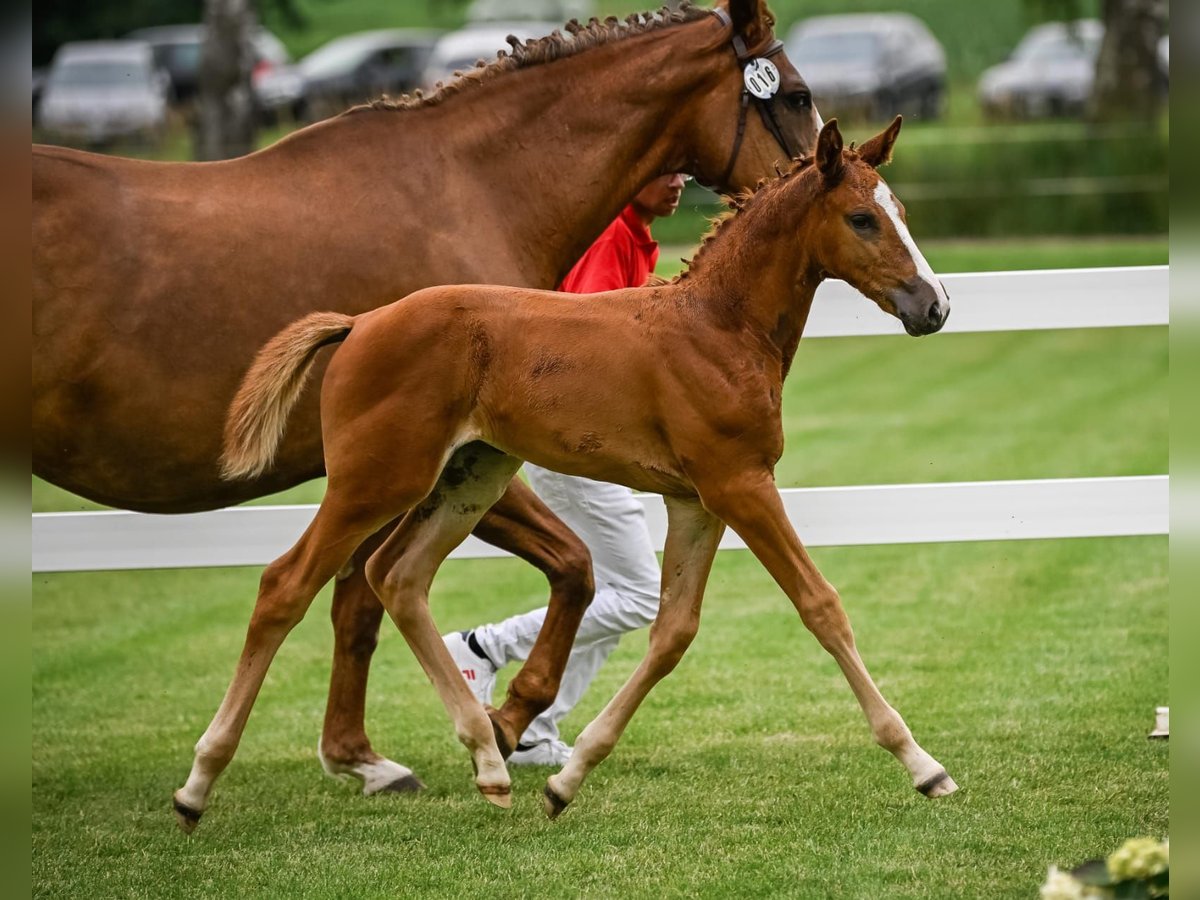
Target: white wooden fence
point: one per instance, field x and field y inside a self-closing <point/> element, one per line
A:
<point x="878" y="514"/>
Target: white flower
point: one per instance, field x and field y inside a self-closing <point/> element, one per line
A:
<point x="1138" y="858"/>
<point x="1061" y="886"/>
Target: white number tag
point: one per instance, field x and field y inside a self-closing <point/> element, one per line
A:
<point x="762" y="78"/>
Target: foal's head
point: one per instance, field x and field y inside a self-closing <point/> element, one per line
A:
<point x="859" y="232"/>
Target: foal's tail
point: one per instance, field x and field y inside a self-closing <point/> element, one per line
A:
<point x="259" y="412"/>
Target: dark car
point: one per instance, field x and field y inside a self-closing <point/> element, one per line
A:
<point x="350" y="69"/>
<point x="871" y="66"/>
<point x="177" y="50"/>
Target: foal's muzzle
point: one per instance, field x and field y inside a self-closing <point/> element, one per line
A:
<point x="922" y="308"/>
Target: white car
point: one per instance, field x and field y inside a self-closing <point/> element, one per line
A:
<point x="460" y="50"/>
<point x="98" y="91"/>
<point x="1050" y="73"/>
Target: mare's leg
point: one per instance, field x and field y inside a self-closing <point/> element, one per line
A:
<point x="401" y="572"/>
<point x="522" y="524"/>
<point x="345" y="749"/>
<point x="519" y="523"/>
<point x="285" y="592"/>
<point x="692" y="538"/>
<point x="753" y="508"/>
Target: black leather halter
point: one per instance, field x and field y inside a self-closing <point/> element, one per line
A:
<point x="766" y="108"/>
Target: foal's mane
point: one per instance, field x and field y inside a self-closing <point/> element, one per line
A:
<point x="750" y="198"/>
<point x="737" y="204"/>
<point x="537" y="51"/>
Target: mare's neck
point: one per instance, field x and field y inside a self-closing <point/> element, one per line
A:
<point x="556" y="150"/>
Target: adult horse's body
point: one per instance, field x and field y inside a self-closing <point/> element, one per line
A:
<point x="154" y="284"/>
<point x="674" y="389"/>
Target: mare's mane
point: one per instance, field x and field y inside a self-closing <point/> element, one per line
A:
<point x="538" y="51"/>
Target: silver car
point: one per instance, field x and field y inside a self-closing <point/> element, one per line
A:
<point x="1050" y="73"/>
<point x="99" y="91"/>
<point x="870" y="66"/>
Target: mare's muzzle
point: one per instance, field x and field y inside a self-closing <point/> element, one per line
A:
<point x="922" y="307"/>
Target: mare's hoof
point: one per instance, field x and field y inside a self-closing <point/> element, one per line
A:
<point x="409" y="784"/>
<point x="186" y="817"/>
<point x="497" y="796"/>
<point x="552" y="803"/>
<point x="939" y="785"/>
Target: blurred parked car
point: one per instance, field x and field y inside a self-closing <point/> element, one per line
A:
<point x="98" y="91"/>
<point x="559" y="11"/>
<point x="177" y="49"/>
<point x="460" y="50"/>
<point x="870" y="66"/>
<point x="347" y="70"/>
<point x="1050" y="73"/>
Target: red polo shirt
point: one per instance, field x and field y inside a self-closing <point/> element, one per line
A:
<point x="622" y="257"/>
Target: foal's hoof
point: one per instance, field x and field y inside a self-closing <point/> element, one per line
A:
<point x="497" y="796"/>
<point x="552" y="803"/>
<point x="186" y="817"/>
<point x="939" y="785"/>
<point x="409" y="784"/>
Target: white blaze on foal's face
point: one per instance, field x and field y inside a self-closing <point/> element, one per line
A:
<point x="887" y="202"/>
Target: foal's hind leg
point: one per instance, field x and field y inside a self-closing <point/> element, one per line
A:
<point x="522" y="524"/>
<point x="402" y="571"/>
<point x="693" y="535"/>
<point x="285" y="592"/>
<point x="753" y="508"/>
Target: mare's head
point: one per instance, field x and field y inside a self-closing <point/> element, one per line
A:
<point x="756" y="114"/>
<point x="858" y="232"/>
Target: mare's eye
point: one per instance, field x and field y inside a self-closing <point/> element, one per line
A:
<point x="798" y="100"/>
<point x="862" y="221"/>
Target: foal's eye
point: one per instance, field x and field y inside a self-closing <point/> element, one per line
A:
<point x="862" y="221"/>
<point x="798" y="100"/>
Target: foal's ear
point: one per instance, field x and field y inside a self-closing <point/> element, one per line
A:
<point x="829" y="152"/>
<point x="878" y="150"/>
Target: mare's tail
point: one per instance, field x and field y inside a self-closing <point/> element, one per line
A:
<point x="259" y="412"/>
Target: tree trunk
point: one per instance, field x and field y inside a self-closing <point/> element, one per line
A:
<point x="1129" y="82"/>
<point x="225" y="121"/>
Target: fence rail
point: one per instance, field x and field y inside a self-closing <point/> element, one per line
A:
<point x="878" y="514"/>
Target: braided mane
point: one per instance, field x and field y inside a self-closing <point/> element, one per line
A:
<point x="534" y="52"/>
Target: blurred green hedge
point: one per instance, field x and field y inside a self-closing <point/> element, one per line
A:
<point x="1008" y="181"/>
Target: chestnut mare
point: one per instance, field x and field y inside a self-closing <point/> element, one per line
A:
<point x="431" y="403"/>
<point x="155" y="284"/>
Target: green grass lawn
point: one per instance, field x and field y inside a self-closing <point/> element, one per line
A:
<point x="1030" y="669"/>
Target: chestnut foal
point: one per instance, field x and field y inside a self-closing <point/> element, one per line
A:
<point x="431" y="403"/>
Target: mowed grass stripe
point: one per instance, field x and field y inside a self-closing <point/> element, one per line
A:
<point x="1029" y="668"/>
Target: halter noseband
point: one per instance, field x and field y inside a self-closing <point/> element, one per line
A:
<point x="765" y="105"/>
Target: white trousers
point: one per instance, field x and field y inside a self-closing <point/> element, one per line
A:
<point x="611" y="522"/>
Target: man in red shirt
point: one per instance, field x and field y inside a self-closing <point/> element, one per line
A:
<point x="607" y="517"/>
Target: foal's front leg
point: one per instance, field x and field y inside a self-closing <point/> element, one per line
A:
<point x="692" y="538"/>
<point x="752" y="507"/>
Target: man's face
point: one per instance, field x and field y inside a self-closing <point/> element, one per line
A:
<point x="661" y="196"/>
